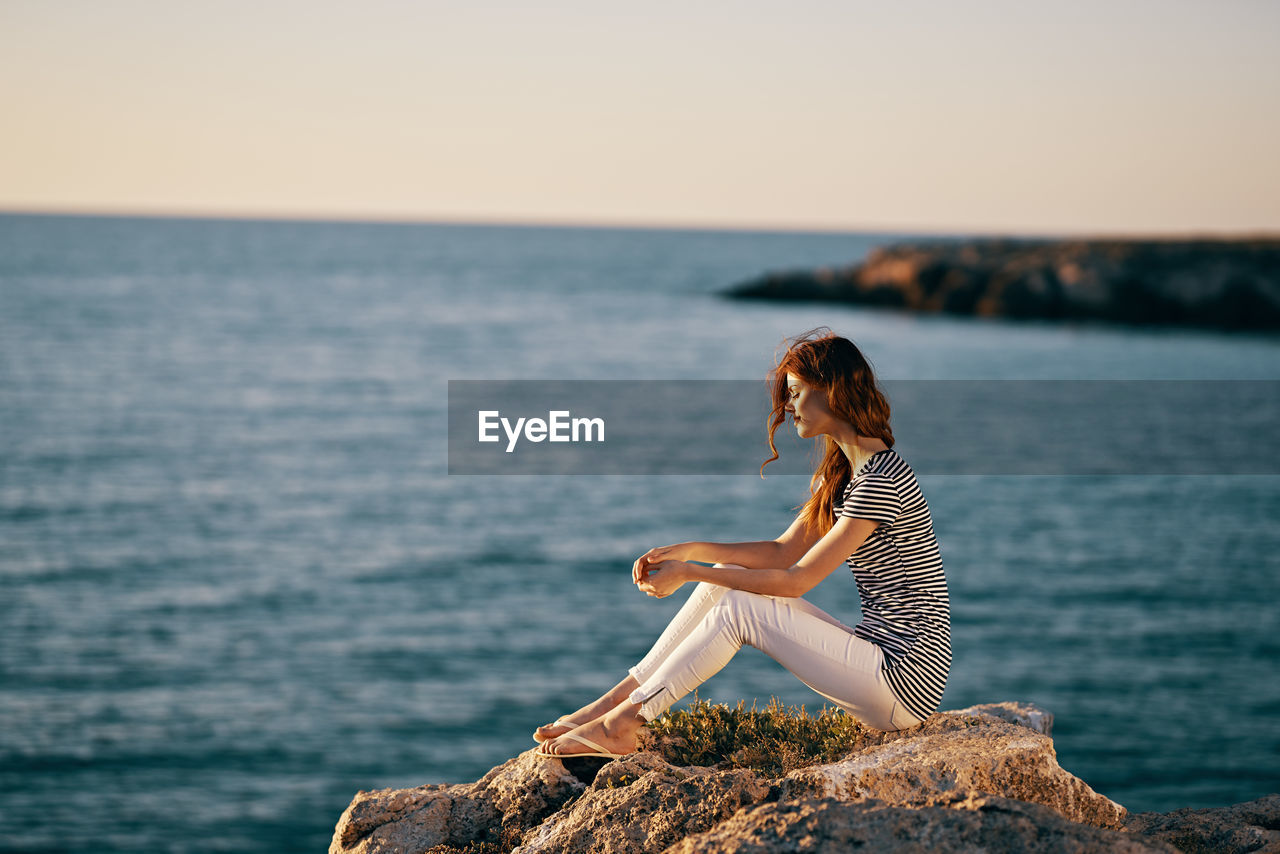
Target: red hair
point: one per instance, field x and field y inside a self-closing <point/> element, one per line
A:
<point x="830" y="363"/>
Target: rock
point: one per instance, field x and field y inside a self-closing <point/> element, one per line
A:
<point x="510" y="799"/>
<point x="662" y="804"/>
<point x="1022" y="714"/>
<point x="954" y="754"/>
<point x="1224" y="284"/>
<point x="831" y="826"/>
<point x="951" y="755"/>
<point x="527" y="789"/>
<point x="982" y="778"/>
<point x="1247" y="827"/>
<point x="405" y="817"/>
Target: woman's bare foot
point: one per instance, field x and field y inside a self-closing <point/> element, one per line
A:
<point x="617" y="732"/>
<point x="618" y="694"/>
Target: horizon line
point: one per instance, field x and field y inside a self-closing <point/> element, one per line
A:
<point x="606" y="224"/>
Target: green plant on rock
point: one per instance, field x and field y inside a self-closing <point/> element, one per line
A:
<point x="621" y="782"/>
<point x="773" y="740"/>
<point x="470" y="848"/>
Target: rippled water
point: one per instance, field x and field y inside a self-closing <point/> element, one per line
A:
<point x="237" y="585"/>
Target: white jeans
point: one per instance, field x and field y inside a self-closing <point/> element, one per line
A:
<point x="821" y="651"/>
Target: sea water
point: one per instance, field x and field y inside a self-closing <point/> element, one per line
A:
<point x="237" y="583"/>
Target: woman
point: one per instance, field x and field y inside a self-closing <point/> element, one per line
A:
<point x="865" y="509"/>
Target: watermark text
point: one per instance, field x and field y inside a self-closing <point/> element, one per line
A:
<point x="558" y="426"/>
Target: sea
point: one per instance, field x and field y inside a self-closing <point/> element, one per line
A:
<point x="238" y="583"/>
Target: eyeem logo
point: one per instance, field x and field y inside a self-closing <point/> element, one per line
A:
<point x="558" y="427"/>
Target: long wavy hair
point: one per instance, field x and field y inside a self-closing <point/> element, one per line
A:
<point x="832" y="364"/>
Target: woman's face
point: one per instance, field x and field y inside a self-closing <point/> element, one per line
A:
<point x="808" y="408"/>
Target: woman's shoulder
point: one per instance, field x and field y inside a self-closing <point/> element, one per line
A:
<point x="883" y="462"/>
<point x="887" y="464"/>
<point x="886" y="467"/>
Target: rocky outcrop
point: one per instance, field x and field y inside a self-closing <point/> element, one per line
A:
<point x="633" y="810"/>
<point x="1247" y="827"/>
<point x="497" y="809"/>
<point x="982" y="778"/>
<point x="986" y="823"/>
<point x="959" y="754"/>
<point x="1224" y="284"/>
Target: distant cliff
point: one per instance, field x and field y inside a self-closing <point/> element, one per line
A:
<point x="1220" y="284"/>
<point x="979" y="779"/>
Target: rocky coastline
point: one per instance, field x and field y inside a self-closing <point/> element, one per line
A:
<point x="984" y="778"/>
<point x="1216" y="284"/>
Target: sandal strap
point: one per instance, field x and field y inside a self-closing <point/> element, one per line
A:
<point x="589" y="743"/>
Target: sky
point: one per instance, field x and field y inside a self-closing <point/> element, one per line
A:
<point x="993" y="116"/>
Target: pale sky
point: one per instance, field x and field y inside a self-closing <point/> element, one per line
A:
<point x="1016" y="116"/>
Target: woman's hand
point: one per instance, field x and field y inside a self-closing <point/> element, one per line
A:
<point x="663" y="578"/>
<point x="680" y="551"/>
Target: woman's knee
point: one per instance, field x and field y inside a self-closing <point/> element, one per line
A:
<point x="711" y="592"/>
<point x="743" y="604"/>
<point x="745" y="597"/>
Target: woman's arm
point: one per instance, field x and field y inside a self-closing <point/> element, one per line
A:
<point x="845" y="537"/>
<point x="783" y="551"/>
<point x="756" y="555"/>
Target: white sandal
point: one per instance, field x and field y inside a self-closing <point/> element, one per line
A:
<point x="597" y="750"/>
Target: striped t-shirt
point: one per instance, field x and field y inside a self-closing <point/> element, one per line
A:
<point x="905" y="608"/>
